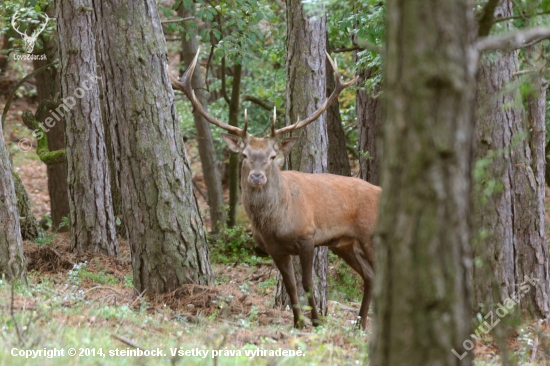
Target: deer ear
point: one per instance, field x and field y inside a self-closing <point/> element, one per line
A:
<point x="234" y="143"/>
<point x="285" y="145"/>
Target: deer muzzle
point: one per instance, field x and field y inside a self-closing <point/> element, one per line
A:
<point x="257" y="179"/>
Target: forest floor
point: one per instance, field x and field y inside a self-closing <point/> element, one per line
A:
<point x="87" y="302"/>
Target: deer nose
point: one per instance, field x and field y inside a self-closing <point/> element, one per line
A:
<point x="256" y="178"/>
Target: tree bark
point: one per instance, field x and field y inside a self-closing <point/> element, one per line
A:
<point x="12" y="261"/>
<point x="423" y="256"/>
<point x="165" y="230"/>
<point x="510" y="195"/>
<point x="234" y="108"/>
<point x="369" y="125"/>
<point x="305" y="92"/>
<point x="30" y="230"/>
<point x="4" y="58"/>
<point x="535" y="251"/>
<point x="92" y="221"/>
<point x="47" y="85"/>
<point x="338" y="160"/>
<point x="205" y="142"/>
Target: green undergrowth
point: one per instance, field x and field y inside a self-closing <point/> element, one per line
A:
<point x="234" y="246"/>
<point x="55" y="312"/>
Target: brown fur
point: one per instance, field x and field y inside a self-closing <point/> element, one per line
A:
<point x="293" y="212"/>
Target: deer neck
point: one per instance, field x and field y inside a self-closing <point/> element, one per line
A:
<point x="265" y="205"/>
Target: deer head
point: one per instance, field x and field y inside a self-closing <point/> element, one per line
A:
<point x="258" y="153"/>
<point x="29" y="41"/>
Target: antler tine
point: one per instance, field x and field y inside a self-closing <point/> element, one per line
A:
<point x="274" y="121"/>
<point x="36" y="31"/>
<point x="245" y="122"/>
<point x="185" y="86"/>
<point x="13" y="19"/>
<point x="340" y="85"/>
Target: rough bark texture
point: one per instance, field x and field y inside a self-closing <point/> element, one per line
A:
<point x="4" y="59"/>
<point x="205" y="143"/>
<point x="165" y="230"/>
<point x="47" y="84"/>
<point x="234" y="108"/>
<point x="305" y="92"/>
<point x="509" y="219"/>
<point x="338" y="160"/>
<point x="534" y="253"/>
<point x="369" y="124"/>
<point x="91" y="218"/>
<point x="422" y="272"/>
<point x="12" y="261"/>
<point x="30" y="229"/>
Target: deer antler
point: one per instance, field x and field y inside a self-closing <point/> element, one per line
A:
<point x="185" y="86"/>
<point x="15" y="16"/>
<point x="37" y="31"/>
<point x="340" y="85"/>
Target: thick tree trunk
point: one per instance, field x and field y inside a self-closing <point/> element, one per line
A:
<point x="205" y="143"/>
<point x="423" y="255"/>
<point x="116" y="195"/>
<point x="305" y="92"/>
<point x="369" y="124"/>
<point x="165" y="230"/>
<point x="92" y="221"/>
<point x="47" y="84"/>
<point x="12" y="261"/>
<point x="30" y="229"/>
<point x="534" y="253"/>
<point x="338" y="160"/>
<point x="510" y="195"/>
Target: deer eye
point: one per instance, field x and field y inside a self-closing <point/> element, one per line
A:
<point x="272" y="157"/>
<point x="245" y="156"/>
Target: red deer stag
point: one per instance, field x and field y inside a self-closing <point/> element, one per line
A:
<point x="292" y="212"/>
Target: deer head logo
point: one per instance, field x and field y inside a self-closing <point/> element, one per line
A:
<point x="29" y="40"/>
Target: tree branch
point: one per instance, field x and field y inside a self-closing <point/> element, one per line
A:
<point x="522" y="16"/>
<point x="177" y="20"/>
<point x="513" y="40"/>
<point x="349" y="49"/>
<point x="262" y="103"/>
<point x="12" y="92"/>
<point x="488" y="18"/>
<point x="363" y="43"/>
<point x="42" y="150"/>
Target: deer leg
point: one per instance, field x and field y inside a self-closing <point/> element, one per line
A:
<point x="306" y="261"/>
<point x="353" y="256"/>
<point x="284" y="264"/>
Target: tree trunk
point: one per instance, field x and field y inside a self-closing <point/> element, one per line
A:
<point x="305" y="92"/>
<point x="510" y="212"/>
<point x="92" y="220"/>
<point x="338" y="160"/>
<point x="116" y="195"/>
<point x="4" y="58"/>
<point x="369" y="124"/>
<point x="534" y="254"/>
<point x="12" y="261"/>
<point x="165" y="230"/>
<point x="47" y="85"/>
<point x="422" y="276"/>
<point x="205" y="143"/>
<point x="30" y="229"/>
<point x="234" y="108"/>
